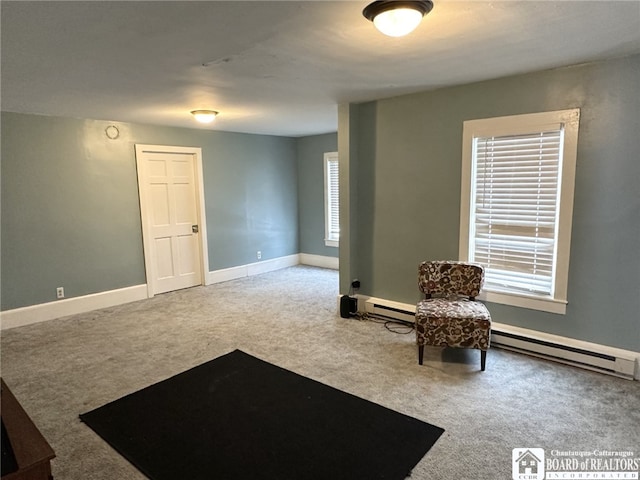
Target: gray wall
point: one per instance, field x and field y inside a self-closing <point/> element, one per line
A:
<point x="408" y="165"/>
<point x="70" y="211"/>
<point x="70" y="214"/>
<point x="310" y="153"/>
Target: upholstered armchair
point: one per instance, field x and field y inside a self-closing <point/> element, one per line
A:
<point x="450" y="316"/>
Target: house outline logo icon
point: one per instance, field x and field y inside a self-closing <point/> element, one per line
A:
<point x="528" y="463"/>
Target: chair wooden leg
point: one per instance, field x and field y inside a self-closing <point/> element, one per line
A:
<point x="483" y="359"/>
<point x="420" y="354"/>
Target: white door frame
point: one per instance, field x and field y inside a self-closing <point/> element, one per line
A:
<point x="200" y="210"/>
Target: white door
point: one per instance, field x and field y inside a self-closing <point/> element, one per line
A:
<point x="172" y="206"/>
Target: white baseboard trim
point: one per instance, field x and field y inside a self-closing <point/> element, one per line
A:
<point x="226" y="274"/>
<point x="320" y="261"/>
<point x="19" y="317"/>
<point x="588" y="355"/>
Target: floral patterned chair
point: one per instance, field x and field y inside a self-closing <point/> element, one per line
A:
<point x="449" y="315"/>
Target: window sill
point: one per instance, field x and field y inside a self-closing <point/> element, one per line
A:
<point x="332" y="243"/>
<point x="551" y="305"/>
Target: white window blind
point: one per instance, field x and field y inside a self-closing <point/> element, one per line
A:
<point x="516" y="198"/>
<point x="332" y="200"/>
<point x="518" y="175"/>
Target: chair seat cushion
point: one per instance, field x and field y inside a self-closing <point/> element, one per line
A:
<point x="445" y="308"/>
<point x="455" y="323"/>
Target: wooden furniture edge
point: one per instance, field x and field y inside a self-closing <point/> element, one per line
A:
<point x="32" y="451"/>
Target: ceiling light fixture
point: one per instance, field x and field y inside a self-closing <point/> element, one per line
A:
<point x="204" y="116"/>
<point x="397" y="18"/>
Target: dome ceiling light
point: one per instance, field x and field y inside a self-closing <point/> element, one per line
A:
<point x="204" y="116"/>
<point x="397" y="18"/>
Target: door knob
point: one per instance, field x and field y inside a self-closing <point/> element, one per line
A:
<point x="194" y="228"/>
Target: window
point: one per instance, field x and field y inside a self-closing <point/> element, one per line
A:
<point x="517" y="201"/>
<point x="331" y="200"/>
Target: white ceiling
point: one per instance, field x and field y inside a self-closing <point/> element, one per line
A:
<point x="279" y="68"/>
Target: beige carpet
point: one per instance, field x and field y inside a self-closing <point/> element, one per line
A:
<point x="61" y="368"/>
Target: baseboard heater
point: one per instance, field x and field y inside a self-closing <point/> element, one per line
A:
<point x="392" y="313"/>
<point x="605" y="361"/>
<point x="600" y="358"/>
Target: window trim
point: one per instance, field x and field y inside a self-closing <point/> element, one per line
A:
<point x="523" y="124"/>
<point x="329" y="239"/>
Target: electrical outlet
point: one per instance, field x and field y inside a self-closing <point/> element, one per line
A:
<point x="259" y="254"/>
<point x="60" y="292"/>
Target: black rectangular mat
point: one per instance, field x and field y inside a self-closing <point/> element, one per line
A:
<point x="239" y="417"/>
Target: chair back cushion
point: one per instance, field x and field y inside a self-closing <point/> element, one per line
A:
<point x="450" y="278"/>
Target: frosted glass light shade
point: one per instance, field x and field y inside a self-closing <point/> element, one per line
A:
<point x="204" y="116"/>
<point x="397" y="17"/>
<point x="399" y="22"/>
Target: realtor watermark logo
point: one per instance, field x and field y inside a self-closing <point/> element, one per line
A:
<point x="533" y="464"/>
<point x="528" y="463"/>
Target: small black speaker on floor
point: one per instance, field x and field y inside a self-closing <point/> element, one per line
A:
<point x="348" y="306"/>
